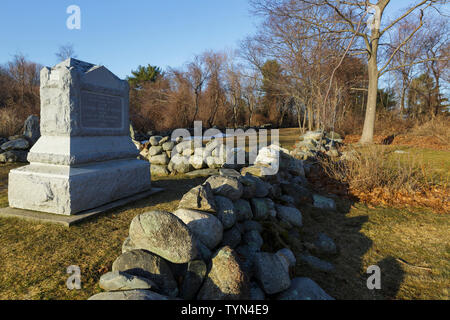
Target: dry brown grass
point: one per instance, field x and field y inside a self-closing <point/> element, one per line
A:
<point x="376" y="174"/>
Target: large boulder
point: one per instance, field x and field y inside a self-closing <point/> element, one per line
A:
<point x="304" y="289"/>
<point x="144" y="264"/>
<point x="31" y="129"/>
<point x="206" y="227"/>
<point x="290" y="214"/>
<point x="226" y="212"/>
<point x="199" y="198"/>
<point x="271" y="272"/>
<point x="226" y="186"/>
<point x="226" y="280"/>
<point x="129" y="295"/>
<point x="165" y="235"/>
<point x="121" y="281"/>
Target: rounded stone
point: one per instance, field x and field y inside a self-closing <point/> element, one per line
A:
<point x="226" y="212"/>
<point x="226" y="280"/>
<point x="165" y="235"/>
<point x="121" y="281"/>
<point x="144" y="264"/>
<point x="206" y="227"/>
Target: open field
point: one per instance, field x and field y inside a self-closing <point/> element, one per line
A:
<point x="412" y="247"/>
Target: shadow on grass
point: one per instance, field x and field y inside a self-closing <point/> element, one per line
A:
<point x="349" y="279"/>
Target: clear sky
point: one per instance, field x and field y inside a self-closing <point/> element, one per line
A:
<point x="124" y="34"/>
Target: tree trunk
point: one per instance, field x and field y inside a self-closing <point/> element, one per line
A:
<point x="371" y="107"/>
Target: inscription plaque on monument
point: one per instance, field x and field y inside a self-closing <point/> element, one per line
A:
<point x="101" y="111"/>
<point x="85" y="157"/>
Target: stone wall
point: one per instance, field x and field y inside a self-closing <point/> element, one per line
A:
<point x="237" y="236"/>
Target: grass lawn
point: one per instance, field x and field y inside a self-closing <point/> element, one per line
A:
<point x="412" y="248"/>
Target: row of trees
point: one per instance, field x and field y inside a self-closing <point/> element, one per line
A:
<point x="311" y="64"/>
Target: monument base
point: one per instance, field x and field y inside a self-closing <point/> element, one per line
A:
<point x="68" y="190"/>
<point x="68" y="221"/>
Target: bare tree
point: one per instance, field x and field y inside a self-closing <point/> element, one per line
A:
<point x="342" y="19"/>
<point x="65" y="52"/>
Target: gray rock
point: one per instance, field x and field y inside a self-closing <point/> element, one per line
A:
<point x="128" y="295"/>
<point x="180" y="164"/>
<point x="229" y="173"/>
<point x="325" y="245"/>
<point x="17" y="144"/>
<point x="252" y="238"/>
<point x="144" y="264"/>
<point x="317" y="264"/>
<point x="229" y="187"/>
<point x="31" y="129"/>
<point x="161" y="159"/>
<point x="271" y="272"/>
<point x="155" y="150"/>
<point x="193" y="279"/>
<point x="168" y="146"/>
<point x="243" y="210"/>
<point x="159" y="171"/>
<point x="203" y="173"/>
<point x="163" y="140"/>
<point x="290" y="214"/>
<point x="226" y="280"/>
<point x="206" y="227"/>
<point x="199" y="198"/>
<point x="288" y="255"/>
<point x="324" y="202"/>
<point x="231" y="237"/>
<point x="197" y="162"/>
<point x="121" y="281"/>
<point x="262" y="208"/>
<point x="154" y="141"/>
<point x="304" y="289"/>
<point x="254" y="187"/>
<point x="226" y="212"/>
<point x="165" y="235"/>
<point x="256" y="293"/>
<point x="128" y="245"/>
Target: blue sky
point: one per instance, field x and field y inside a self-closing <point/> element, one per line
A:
<point x="123" y="34"/>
